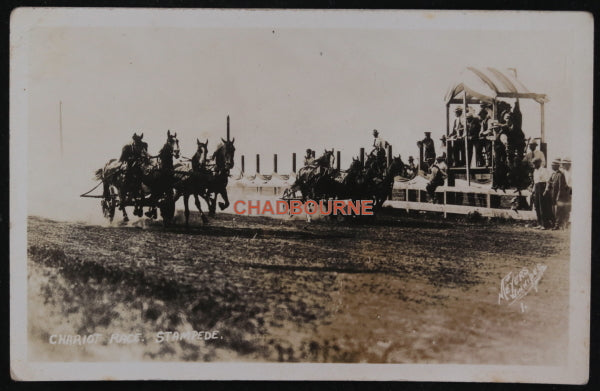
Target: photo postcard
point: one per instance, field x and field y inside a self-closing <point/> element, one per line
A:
<point x="300" y="195"/>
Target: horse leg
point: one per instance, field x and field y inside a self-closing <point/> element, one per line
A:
<point x="212" y="204"/>
<point x="151" y="210"/>
<point x="223" y="205"/>
<point x="199" y="206"/>
<point x="187" y="209"/>
<point x="125" y="218"/>
<point x="177" y="195"/>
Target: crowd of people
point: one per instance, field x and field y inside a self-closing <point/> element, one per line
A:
<point x="551" y="193"/>
<point x="501" y="143"/>
<point x="483" y="134"/>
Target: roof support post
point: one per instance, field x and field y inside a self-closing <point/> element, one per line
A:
<point x="466" y="139"/>
<point x="542" y="130"/>
<point x="448" y="148"/>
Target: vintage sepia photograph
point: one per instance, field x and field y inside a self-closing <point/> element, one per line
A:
<point x="331" y="195"/>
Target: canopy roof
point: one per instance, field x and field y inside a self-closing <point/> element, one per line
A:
<point x="487" y="84"/>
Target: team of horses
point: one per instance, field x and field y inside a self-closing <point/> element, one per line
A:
<point x="141" y="181"/>
<point x="157" y="182"/>
<point x="372" y="181"/>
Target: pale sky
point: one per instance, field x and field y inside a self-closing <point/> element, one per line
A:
<point x="285" y="89"/>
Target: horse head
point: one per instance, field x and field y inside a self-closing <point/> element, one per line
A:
<point x="327" y="159"/>
<point x="173" y="144"/>
<point x="225" y="153"/>
<point x="202" y="150"/>
<point x="371" y="159"/>
<point x="137" y="147"/>
<point x="396" y="167"/>
<point x="355" y="166"/>
<point x="137" y="139"/>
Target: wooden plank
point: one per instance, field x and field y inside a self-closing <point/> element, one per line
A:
<point x="457" y="189"/>
<point x="462" y="209"/>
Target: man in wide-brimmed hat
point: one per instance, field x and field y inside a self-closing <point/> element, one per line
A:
<point x="534" y="153"/>
<point x="486" y="133"/>
<point x="427" y="150"/>
<point x="474" y="146"/>
<point x="559" y="192"/>
<point x="456" y="138"/>
<point x="541" y="196"/>
<point x="565" y="167"/>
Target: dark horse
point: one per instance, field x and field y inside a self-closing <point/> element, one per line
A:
<point x="315" y="181"/>
<point x="369" y="183"/>
<point x="193" y="179"/>
<point x="122" y="178"/>
<point x="158" y="178"/>
<point x="380" y="188"/>
<point x="220" y="166"/>
<point x="135" y="174"/>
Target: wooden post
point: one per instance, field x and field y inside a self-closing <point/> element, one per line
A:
<point x="60" y="125"/>
<point x="243" y="165"/>
<point x="448" y="147"/>
<point x="294" y="162"/>
<point x="445" y="213"/>
<point x="338" y="157"/>
<point x="493" y="170"/>
<point x="362" y="157"/>
<point x="543" y="145"/>
<point x="542" y="130"/>
<point x="389" y="155"/>
<point x="228" y="128"/>
<point x="466" y="140"/>
<point x="257" y="163"/>
<point x="275" y="163"/>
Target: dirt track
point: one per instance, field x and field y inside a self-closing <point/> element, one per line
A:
<point x="405" y="290"/>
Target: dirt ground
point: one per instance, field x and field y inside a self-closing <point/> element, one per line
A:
<point x="402" y="289"/>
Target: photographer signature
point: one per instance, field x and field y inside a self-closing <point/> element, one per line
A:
<point x="517" y="284"/>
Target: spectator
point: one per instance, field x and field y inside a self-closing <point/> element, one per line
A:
<point x="559" y="193"/>
<point x="456" y="138"/>
<point x="486" y="134"/>
<point x="443" y="146"/>
<point x="437" y="177"/>
<point x="411" y="168"/>
<point x="473" y="129"/>
<point x="541" y="197"/>
<point x="427" y="150"/>
<point x="534" y="153"/>
<point x="566" y="170"/>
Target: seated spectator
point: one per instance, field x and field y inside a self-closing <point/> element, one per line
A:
<point x="437" y="177"/>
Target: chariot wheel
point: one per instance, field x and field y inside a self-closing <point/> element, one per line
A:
<point x="109" y="204"/>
